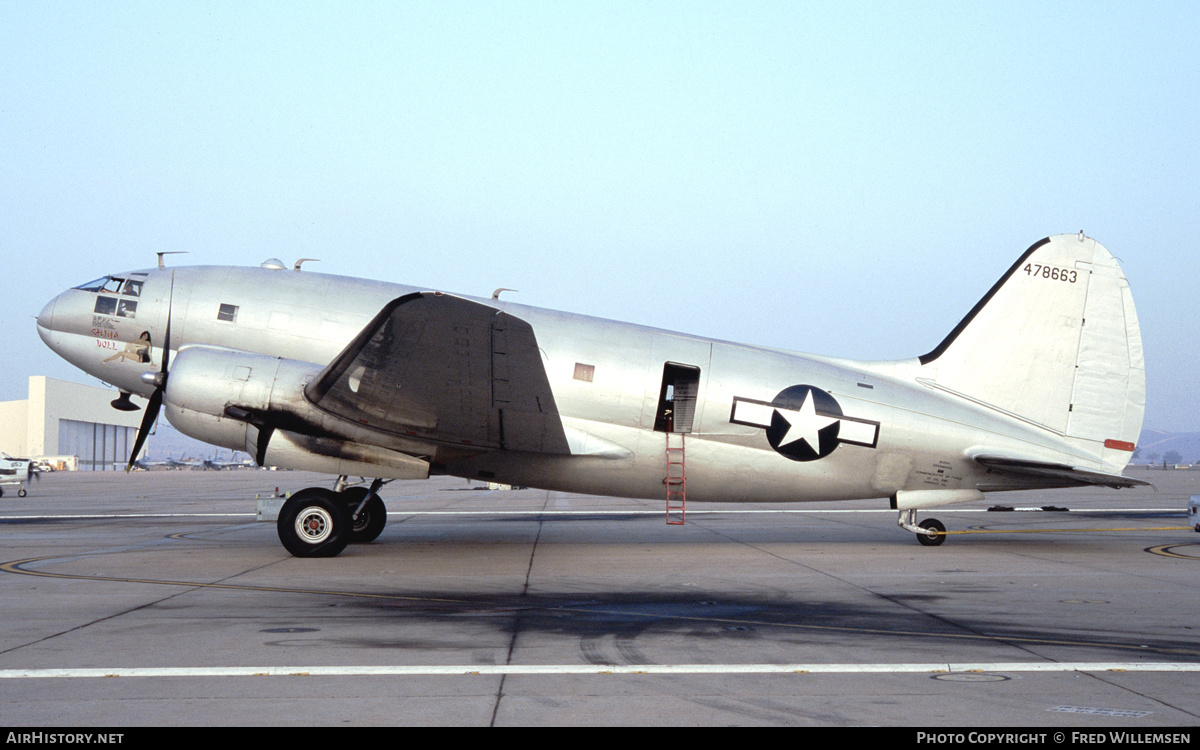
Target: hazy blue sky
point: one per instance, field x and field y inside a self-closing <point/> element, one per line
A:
<point x="831" y="177"/>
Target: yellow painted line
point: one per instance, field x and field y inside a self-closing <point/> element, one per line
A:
<point x="1165" y="551"/>
<point x="1060" y="531"/>
<point x="595" y="512"/>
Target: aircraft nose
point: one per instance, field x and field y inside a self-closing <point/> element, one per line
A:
<point x="45" y="318"/>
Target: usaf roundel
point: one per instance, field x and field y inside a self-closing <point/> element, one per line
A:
<point x="804" y="423"/>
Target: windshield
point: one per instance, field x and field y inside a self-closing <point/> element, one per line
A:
<point x="114" y="285"/>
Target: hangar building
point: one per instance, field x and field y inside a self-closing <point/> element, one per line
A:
<point x="62" y="419"/>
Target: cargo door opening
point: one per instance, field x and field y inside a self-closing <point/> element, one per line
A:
<point x="677" y="398"/>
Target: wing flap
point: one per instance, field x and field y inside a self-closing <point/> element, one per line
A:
<point x="1055" y="474"/>
<point x="446" y="369"/>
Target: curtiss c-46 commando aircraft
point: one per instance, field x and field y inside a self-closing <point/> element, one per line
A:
<point x="1041" y="385"/>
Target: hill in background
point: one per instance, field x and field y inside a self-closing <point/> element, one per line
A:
<point x="1155" y="446"/>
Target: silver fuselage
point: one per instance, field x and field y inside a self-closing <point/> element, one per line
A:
<point x="607" y="383"/>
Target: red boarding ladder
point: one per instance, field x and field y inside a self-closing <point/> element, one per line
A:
<point x="676" y="480"/>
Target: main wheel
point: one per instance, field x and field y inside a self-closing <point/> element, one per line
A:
<point x="370" y="522"/>
<point x="314" y="523"/>
<point x="933" y="525"/>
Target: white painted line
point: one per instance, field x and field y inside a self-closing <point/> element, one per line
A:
<point x="594" y="669"/>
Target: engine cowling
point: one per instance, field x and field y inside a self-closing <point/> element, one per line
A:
<point x="255" y="403"/>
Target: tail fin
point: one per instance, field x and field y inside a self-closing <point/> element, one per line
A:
<point x="1055" y="342"/>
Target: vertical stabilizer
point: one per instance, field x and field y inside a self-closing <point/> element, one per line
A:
<point x="1055" y="343"/>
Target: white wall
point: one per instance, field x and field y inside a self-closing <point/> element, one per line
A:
<point x="31" y="428"/>
<point x="14" y="427"/>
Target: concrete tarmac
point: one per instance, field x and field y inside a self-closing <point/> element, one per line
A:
<point x="157" y="599"/>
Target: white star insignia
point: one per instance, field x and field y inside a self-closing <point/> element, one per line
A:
<point x="805" y="424"/>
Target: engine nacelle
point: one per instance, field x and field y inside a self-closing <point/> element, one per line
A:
<point x="265" y="396"/>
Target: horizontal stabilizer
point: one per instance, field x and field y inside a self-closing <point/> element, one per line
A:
<point x="1054" y="474"/>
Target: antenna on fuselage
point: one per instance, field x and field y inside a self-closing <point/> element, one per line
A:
<point x="161" y="253"/>
<point x="297" y="266"/>
<point x="496" y="294"/>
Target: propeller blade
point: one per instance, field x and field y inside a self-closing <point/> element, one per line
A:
<point x="156" y="398"/>
<point x="148" y="420"/>
<point x="264" y="439"/>
<point x="166" y="355"/>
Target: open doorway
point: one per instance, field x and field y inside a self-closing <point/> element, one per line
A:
<point x="677" y="398"/>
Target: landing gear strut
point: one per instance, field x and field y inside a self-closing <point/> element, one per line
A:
<point x="930" y="532"/>
<point x="367" y="512"/>
<point x="318" y="522"/>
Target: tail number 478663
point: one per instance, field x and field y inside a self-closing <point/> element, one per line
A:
<point x="1050" y="272"/>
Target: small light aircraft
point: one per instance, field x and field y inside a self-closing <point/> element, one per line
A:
<point x="1041" y="385"/>
<point x="15" y="472"/>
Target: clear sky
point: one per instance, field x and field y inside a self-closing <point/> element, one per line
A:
<point x="833" y="177"/>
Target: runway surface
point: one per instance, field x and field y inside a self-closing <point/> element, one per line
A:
<point x="157" y="599"/>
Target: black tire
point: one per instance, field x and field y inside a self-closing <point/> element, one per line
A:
<point x="21" y="492"/>
<point x="934" y="525"/>
<point x="369" y="524"/>
<point x="314" y="523"/>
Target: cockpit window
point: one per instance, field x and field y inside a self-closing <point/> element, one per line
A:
<point x="94" y="286"/>
<point x="114" y="285"/>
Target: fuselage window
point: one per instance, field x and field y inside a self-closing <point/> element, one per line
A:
<point x="228" y="313"/>
<point x="132" y="288"/>
<point x="126" y="308"/>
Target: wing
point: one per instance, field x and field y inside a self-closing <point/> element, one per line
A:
<point x="1053" y="474"/>
<point x="448" y="370"/>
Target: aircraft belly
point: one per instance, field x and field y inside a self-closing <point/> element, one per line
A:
<point x="721" y="470"/>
